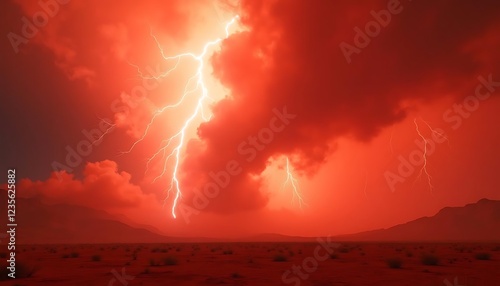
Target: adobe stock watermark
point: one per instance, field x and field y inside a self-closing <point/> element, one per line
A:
<point x="29" y="29"/>
<point x="94" y="137"/>
<point x="122" y="278"/>
<point x="372" y="29"/>
<point x="249" y="148"/>
<point x="309" y="265"/>
<point x="455" y="116"/>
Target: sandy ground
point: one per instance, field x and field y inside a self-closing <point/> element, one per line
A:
<point x="257" y="264"/>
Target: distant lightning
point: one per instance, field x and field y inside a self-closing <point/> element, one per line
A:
<point x="290" y="178"/>
<point x="424" y="167"/>
<point x="391" y="148"/>
<point x="426" y="142"/>
<point x="106" y="132"/>
<point x="436" y="132"/>
<point x="180" y="136"/>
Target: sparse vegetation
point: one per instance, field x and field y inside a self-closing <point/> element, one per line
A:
<point x="483" y="256"/>
<point x="23" y="270"/>
<point x="430" y="259"/>
<point x="153" y="262"/>
<point x="394" y="263"/>
<point x="236" y="275"/>
<point x="227" y="252"/>
<point x="170" y="260"/>
<point x="71" y="255"/>
<point x="280" y="258"/>
<point x="344" y="250"/>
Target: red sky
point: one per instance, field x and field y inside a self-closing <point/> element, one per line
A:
<point x="352" y="118"/>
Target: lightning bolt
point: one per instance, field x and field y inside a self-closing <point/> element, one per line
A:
<point x="426" y="142"/>
<point x="290" y="178"/>
<point x="179" y="138"/>
<point x="424" y="167"/>
<point x="391" y="148"/>
<point x="106" y="132"/>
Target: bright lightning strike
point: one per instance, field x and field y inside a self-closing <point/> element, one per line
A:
<point x="290" y="178"/>
<point x="180" y="136"/>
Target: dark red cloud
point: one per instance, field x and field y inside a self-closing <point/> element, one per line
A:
<point x="106" y="31"/>
<point x="289" y="57"/>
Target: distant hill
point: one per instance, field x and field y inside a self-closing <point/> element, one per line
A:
<point x="273" y="237"/>
<point x="46" y="224"/>
<point x="474" y="222"/>
<point x="55" y="224"/>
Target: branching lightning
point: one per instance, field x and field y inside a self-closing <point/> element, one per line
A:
<point x="426" y="142"/>
<point x="106" y="132"/>
<point x="424" y="167"/>
<point x="179" y="138"/>
<point x="290" y="178"/>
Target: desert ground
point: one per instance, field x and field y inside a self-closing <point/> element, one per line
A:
<point x="449" y="264"/>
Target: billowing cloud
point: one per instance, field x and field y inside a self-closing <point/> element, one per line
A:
<point x="104" y="34"/>
<point x="102" y="187"/>
<point x="300" y="76"/>
<point x="290" y="59"/>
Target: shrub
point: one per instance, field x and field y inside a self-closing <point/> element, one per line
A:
<point x="236" y="275"/>
<point x="394" y="263"/>
<point x="170" y="260"/>
<point x="334" y="256"/>
<point x="430" y="259"/>
<point x="74" y="254"/>
<point x="227" y="252"/>
<point x="23" y="270"/>
<point x="483" y="256"/>
<point x="344" y="250"/>
<point x="280" y="258"/>
<point x="96" y="257"/>
<point x="153" y="262"/>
